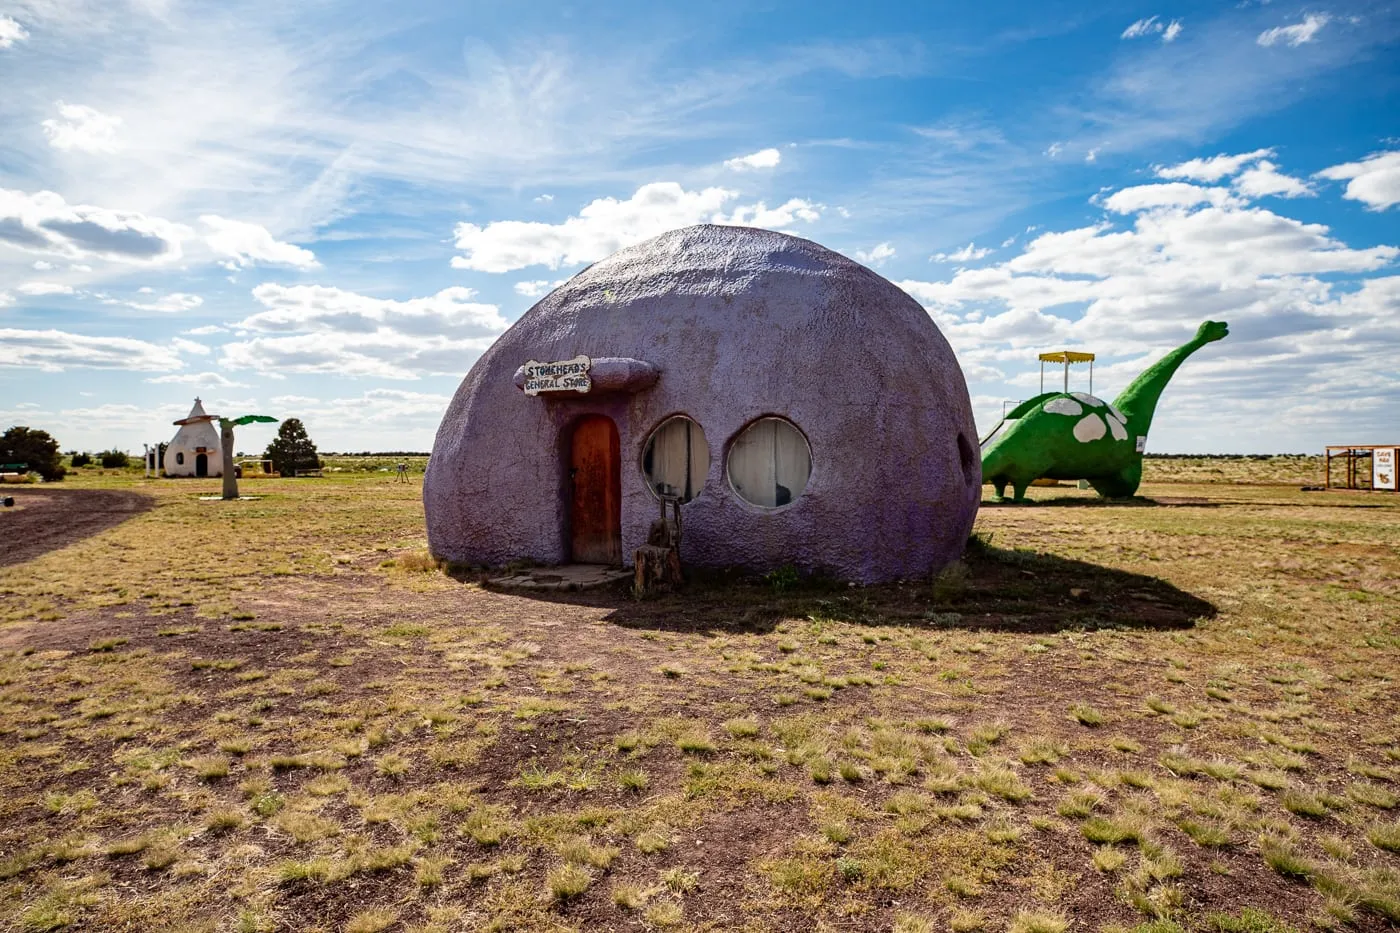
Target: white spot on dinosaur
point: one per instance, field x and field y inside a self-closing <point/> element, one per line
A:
<point x="1089" y="428"/>
<point x="1117" y="414"/>
<point x="1064" y="406"/>
<point x="1087" y="399"/>
<point x="1120" y="433"/>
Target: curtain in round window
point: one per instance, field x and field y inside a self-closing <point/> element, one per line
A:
<point x="769" y="463"/>
<point x="676" y="459"/>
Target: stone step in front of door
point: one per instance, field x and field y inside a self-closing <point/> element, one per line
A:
<point x="564" y="578"/>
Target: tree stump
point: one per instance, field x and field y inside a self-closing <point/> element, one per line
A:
<point x="658" y="563"/>
<point x="657" y="570"/>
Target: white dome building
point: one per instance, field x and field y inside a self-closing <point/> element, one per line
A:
<point x="195" y="449"/>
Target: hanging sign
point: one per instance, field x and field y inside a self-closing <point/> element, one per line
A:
<point x="562" y="376"/>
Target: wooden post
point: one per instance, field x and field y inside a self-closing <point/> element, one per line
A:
<point x="657" y="564"/>
<point x="657" y="570"/>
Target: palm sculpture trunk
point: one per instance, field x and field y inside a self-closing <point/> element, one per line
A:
<point x="226" y="426"/>
<point x="1074" y="436"/>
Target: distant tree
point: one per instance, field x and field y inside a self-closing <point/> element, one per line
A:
<point x="36" y="448"/>
<point x="113" y="459"/>
<point x="292" y="450"/>
<point x="81" y="460"/>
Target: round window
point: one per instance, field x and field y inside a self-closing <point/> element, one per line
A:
<point x="676" y="459"/>
<point x="769" y="463"/>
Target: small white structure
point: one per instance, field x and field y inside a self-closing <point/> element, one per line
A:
<point x="195" y="450"/>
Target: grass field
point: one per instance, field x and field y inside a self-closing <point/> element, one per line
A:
<point x="280" y="715"/>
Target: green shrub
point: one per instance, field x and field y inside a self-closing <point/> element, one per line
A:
<point x="35" y="448"/>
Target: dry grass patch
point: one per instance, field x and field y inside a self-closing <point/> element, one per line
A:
<point x="371" y="741"/>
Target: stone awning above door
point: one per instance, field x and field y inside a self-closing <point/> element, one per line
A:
<point x="605" y="374"/>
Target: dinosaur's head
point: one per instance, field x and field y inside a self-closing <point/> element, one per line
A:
<point x="1212" y="330"/>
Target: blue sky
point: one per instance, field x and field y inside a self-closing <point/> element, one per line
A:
<point x="327" y="210"/>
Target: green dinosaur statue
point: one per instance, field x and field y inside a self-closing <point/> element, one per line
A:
<point x="1072" y="435"/>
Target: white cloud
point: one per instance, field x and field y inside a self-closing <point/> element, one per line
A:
<point x="247" y="243"/>
<point x="1152" y="26"/>
<point x="537" y="288"/>
<point x="211" y="380"/>
<point x="763" y="158"/>
<point x="226" y="112"/>
<point x="104" y="426"/>
<point x="969" y="253"/>
<point x="784" y="215"/>
<point x="190" y="346"/>
<point x="1213" y="168"/>
<point x="600" y="228"/>
<point x="1092" y="155"/>
<point x="43" y="288"/>
<point x="606" y="225"/>
<point x="1297" y="34"/>
<point x="1054" y="149"/>
<point x="384" y="356"/>
<point x="1143" y="27"/>
<point x="56" y="350"/>
<point x="6" y="299"/>
<point x="877" y="256"/>
<point x="1168" y="194"/>
<point x="42" y="266"/>
<point x="84" y="129"/>
<point x="319" y="329"/>
<point x="1305" y="311"/>
<point x="1374" y="181"/>
<point x="306" y="308"/>
<point x="44" y="222"/>
<point x="390" y="408"/>
<point x="11" y="32"/>
<point x="1264" y="179"/>
<point x="168" y="304"/>
<point x="206" y="330"/>
<point x="544" y="199"/>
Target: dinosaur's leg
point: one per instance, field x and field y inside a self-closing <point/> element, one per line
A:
<point x="1121" y="485"/>
<point x="1021" y="490"/>
<point x="999" y="485"/>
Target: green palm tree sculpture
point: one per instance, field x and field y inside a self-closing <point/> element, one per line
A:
<point x="226" y="426"/>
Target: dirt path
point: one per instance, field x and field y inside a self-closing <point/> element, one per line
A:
<point x="45" y="519"/>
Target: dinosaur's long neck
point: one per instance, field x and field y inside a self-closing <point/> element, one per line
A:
<point x="1139" y="400"/>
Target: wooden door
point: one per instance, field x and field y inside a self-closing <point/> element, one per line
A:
<point x="595" y="509"/>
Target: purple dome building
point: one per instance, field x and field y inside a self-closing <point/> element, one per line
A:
<point x="805" y="410"/>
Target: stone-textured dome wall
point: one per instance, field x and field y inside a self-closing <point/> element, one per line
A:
<point x="743" y="323"/>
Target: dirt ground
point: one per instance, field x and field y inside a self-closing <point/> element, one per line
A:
<point x="1172" y="714"/>
<point x="47" y="518"/>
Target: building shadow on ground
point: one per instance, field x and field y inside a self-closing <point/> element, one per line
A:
<point x="45" y="518"/>
<point x="992" y="589"/>
<point x="1095" y="502"/>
